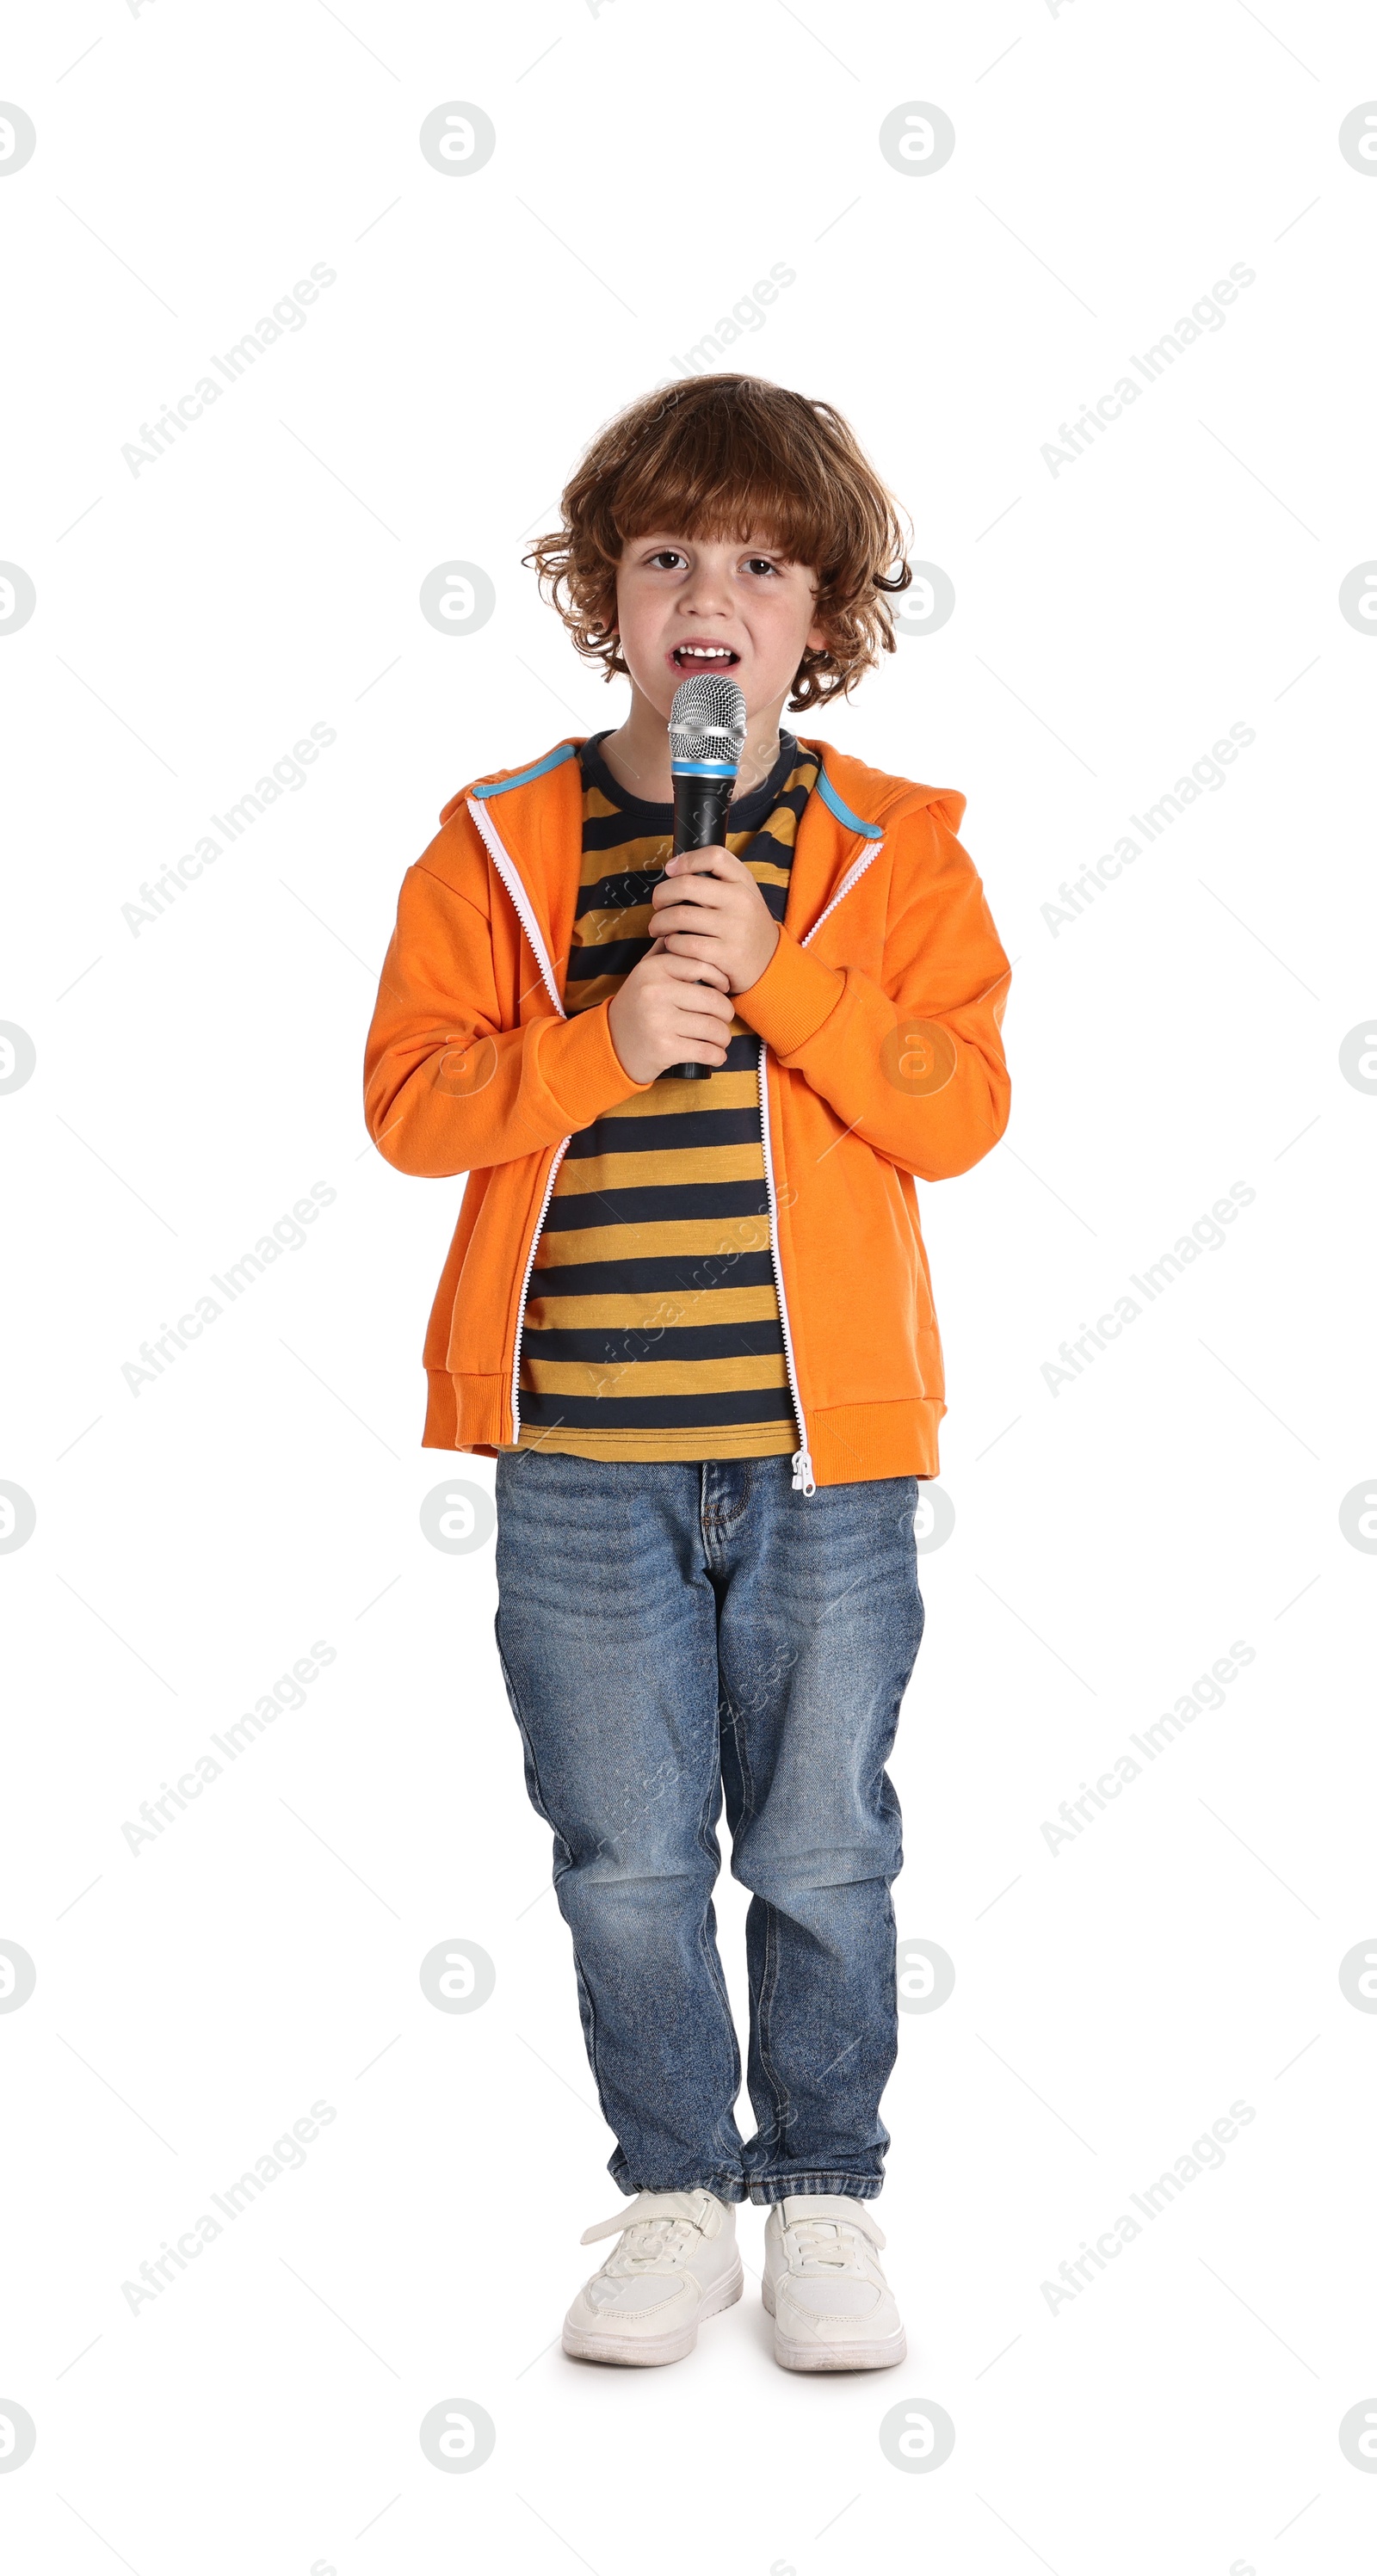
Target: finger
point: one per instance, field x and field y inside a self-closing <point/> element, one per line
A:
<point x="697" y="1025"/>
<point x="704" y="999"/>
<point x="702" y="890"/>
<point x="696" y="970"/>
<point x="711" y="862"/>
<point x="710" y="919"/>
<point x="695" y="944"/>
<point x="691" y="1052"/>
<point x="696" y="940"/>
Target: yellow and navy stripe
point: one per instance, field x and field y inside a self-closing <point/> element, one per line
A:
<point x="652" y="1323"/>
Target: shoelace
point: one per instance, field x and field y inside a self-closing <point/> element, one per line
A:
<point x="829" y="2245"/>
<point x="651" y="2245"/>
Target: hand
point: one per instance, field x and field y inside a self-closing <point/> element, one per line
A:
<point x="708" y="906"/>
<point x="670" y="1012"/>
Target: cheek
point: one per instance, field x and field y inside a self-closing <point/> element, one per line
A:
<point x="788" y="627"/>
<point x="638" y="616"/>
<point x="625" y="619"/>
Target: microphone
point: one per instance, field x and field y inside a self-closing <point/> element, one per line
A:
<point x="707" y="735"/>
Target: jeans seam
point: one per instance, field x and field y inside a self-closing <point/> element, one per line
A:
<point x="708" y="1951"/>
<point x="584" y="1990"/>
<point x="769" y="1985"/>
<point x="525" y="1733"/>
<point x="714" y="1520"/>
<point x="741" y="1748"/>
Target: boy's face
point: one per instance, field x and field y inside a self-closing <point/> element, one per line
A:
<point x="745" y="607"/>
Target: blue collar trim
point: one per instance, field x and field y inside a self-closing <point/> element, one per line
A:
<point x="837" y="805"/>
<point x="562" y="751"/>
<point x="567" y="751"/>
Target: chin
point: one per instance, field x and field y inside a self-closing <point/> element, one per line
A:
<point x="658" y="692"/>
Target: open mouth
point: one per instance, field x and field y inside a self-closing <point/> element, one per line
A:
<point x="704" y="657"/>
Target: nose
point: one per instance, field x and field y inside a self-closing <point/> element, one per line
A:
<point x="707" y="593"/>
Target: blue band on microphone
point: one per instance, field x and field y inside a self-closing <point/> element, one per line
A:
<point x="702" y="768"/>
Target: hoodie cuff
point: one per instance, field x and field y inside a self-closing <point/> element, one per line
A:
<point x="787" y="1005"/>
<point x="582" y="1070"/>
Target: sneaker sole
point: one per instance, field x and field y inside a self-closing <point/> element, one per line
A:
<point x="649" y="2352"/>
<point x="851" y="2356"/>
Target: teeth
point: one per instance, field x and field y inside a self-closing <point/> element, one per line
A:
<point x="705" y="652"/>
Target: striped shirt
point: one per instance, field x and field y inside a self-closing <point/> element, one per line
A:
<point x="652" y="1324"/>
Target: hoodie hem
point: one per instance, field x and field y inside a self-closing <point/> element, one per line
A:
<point x="850" y="1444"/>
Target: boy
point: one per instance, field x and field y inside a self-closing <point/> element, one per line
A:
<point x="692" y="1322"/>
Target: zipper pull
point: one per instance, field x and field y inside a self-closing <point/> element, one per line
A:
<point x="802" y="1466"/>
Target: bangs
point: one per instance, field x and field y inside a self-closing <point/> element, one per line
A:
<point x="709" y="476"/>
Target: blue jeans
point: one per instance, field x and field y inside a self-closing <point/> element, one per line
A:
<point x="669" y="1632"/>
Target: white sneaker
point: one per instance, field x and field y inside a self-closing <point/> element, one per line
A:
<point x="832" y="2306"/>
<point x="675" y="2262"/>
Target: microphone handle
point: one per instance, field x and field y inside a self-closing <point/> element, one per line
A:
<point x="700" y="817"/>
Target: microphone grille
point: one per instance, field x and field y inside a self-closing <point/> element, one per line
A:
<point x="708" y="718"/>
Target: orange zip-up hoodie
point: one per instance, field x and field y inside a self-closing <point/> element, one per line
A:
<point x="880" y="1058"/>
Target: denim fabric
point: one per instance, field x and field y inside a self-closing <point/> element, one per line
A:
<point x="670" y="1632"/>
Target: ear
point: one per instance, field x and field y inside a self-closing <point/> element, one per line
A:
<point x="817" y="639"/>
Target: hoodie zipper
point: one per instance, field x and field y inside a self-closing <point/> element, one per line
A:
<point x="801" y="1462"/>
<point x="521" y="904"/>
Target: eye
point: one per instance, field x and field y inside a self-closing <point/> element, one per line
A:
<point x="760" y="563"/>
<point x="666" y="558"/>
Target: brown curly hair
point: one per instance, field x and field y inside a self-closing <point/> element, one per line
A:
<point x="716" y="456"/>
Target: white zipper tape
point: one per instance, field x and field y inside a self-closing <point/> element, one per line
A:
<point x="801" y="1462"/>
<point x="525" y="914"/>
<point x="520" y="899"/>
<point x="852" y="877"/>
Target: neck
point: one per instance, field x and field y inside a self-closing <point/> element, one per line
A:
<point x="638" y="752"/>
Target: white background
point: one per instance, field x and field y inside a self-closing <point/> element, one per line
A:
<point x="1112" y="1539"/>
